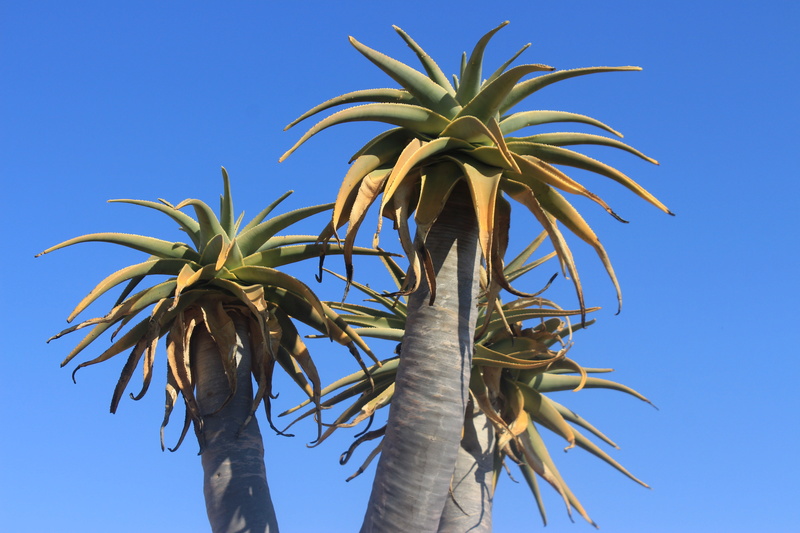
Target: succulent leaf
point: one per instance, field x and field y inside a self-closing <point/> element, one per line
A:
<point x="148" y="245"/>
<point x="226" y="206"/>
<point x="432" y="69"/>
<point x="258" y="219"/>
<point x="525" y="119"/>
<point x="486" y="104"/>
<point x="502" y="68"/>
<point x="252" y="239"/>
<point x="169" y="267"/>
<point x="426" y="91"/>
<point x="528" y="87"/>
<point x="471" y="70"/>
<point x="378" y="96"/>
<point x="186" y="222"/>
<point x="571" y="138"/>
<point x="209" y="223"/>
<point x="408" y="116"/>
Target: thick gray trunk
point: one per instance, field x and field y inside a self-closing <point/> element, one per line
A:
<point x="469" y="507"/>
<point x="422" y="438"/>
<point x="235" y="479"/>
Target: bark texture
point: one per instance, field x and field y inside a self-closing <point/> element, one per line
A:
<point x="469" y="507"/>
<point x="235" y="479"/>
<point x="423" y="434"/>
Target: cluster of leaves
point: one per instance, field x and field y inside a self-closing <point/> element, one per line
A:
<point x="514" y="367"/>
<point x="448" y="132"/>
<point x="226" y="270"/>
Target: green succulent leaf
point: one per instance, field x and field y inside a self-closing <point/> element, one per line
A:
<point x="525" y="119"/>
<point x="413" y="117"/>
<point x="527" y="88"/>
<point x="530" y="478"/>
<point x="284" y="255"/>
<point x="471" y="70"/>
<point x="502" y="68"/>
<point x="169" y="267"/>
<point x="425" y="90"/>
<point x="286" y="240"/>
<point x="376" y="321"/>
<point x="359" y="310"/>
<point x="573" y="418"/>
<point x="533" y="439"/>
<point x="148" y="245"/>
<point x="554" y="382"/>
<point x="571" y="138"/>
<point x="379" y="96"/>
<point x="487" y="103"/>
<point x="431" y="68"/>
<point x="542" y="410"/>
<point x="265" y="213"/>
<point x="561" y="156"/>
<point x="385" y="146"/>
<point x="226" y="206"/>
<point x="215" y="251"/>
<point x="388" y="334"/>
<point x="388" y="301"/>
<point x="252" y="239"/>
<point x="186" y="222"/>
<point x="516" y="273"/>
<point x="595" y="450"/>
<point x="209" y="223"/>
<point x="355" y="383"/>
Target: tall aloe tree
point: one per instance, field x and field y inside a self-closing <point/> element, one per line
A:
<point x="226" y="311"/>
<point x="448" y="164"/>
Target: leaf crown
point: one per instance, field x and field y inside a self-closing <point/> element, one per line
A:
<point x="227" y="271"/>
<point x="446" y="133"/>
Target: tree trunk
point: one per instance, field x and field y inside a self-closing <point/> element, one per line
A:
<point x="235" y="479"/>
<point x="469" y="507"/>
<point x="426" y="415"/>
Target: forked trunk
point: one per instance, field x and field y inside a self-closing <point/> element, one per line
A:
<point x="413" y="476"/>
<point x="469" y="507"/>
<point x="235" y="479"/>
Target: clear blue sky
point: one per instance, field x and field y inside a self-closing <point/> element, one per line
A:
<point x="147" y="100"/>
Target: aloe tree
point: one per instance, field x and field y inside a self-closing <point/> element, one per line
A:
<point x="227" y="313"/>
<point x="448" y="164"/>
<point x="514" y="370"/>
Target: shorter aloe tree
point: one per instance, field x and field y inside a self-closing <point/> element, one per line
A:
<point x="227" y="314"/>
<point x="514" y="369"/>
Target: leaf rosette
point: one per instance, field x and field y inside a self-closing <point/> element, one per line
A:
<point x="226" y="270"/>
<point x="449" y="132"/>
